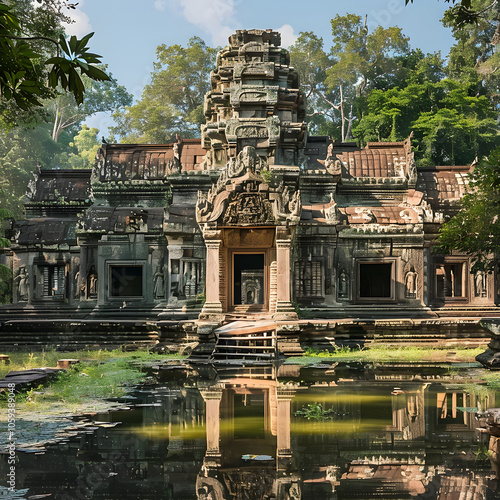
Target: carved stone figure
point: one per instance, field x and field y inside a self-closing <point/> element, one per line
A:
<point x="173" y="165"/>
<point x="76" y="293"/>
<point x="480" y="284"/>
<point x="22" y="280"/>
<point x="332" y="164"/>
<point x="343" y="283"/>
<point x="411" y="283"/>
<point x="159" y="284"/>
<point x="246" y="161"/>
<point x="331" y="211"/>
<point x="92" y="282"/>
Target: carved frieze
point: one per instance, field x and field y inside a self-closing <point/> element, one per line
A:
<point x="253" y="128"/>
<point x="254" y="95"/>
<point x="264" y="69"/>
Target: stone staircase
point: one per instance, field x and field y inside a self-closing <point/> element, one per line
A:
<point x="252" y="340"/>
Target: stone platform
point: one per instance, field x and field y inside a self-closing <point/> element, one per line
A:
<point x="291" y="336"/>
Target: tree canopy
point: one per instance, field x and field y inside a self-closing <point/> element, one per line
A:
<point x="173" y="101"/>
<point x="30" y="71"/>
<point x="44" y="129"/>
<point x="464" y="12"/>
<point x="475" y="229"/>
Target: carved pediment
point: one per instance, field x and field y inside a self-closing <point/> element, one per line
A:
<point x="242" y="196"/>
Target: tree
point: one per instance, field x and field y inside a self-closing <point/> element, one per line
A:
<point x="99" y="97"/>
<point x="452" y="124"/>
<point x="86" y="145"/>
<point x="464" y="12"/>
<point x="475" y="229"/>
<point x="308" y="57"/>
<point x="362" y="60"/>
<point x="173" y="101"/>
<point x="28" y="73"/>
<point x="474" y="56"/>
<point x="22" y="149"/>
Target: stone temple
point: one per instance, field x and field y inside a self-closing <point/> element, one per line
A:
<point x="256" y="219"/>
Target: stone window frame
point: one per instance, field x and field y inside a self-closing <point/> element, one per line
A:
<point x="452" y="261"/>
<point x="46" y="270"/>
<point x="230" y="275"/>
<point x="394" y="261"/>
<point x="126" y="263"/>
<point x="317" y="278"/>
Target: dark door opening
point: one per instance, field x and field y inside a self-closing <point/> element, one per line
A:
<point x="249" y="416"/>
<point x="375" y="280"/>
<point x="248" y="279"/>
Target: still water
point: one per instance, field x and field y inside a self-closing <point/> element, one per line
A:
<point x="336" y="431"/>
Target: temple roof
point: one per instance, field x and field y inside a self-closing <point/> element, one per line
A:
<point x="377" y="159"/>
<point x="53" y="185"/>
<point x="47" y="231"/>
<point x="443" y="186"/>
<point x="148" y="161"/>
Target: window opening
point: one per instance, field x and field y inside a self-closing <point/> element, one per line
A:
<point x="126" y="281"/>
<point x="375" y="280"/>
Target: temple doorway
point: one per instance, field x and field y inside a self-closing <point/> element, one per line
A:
<point x="249" y="281"/>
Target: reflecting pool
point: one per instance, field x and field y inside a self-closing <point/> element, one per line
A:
<point x="285" y="431"/>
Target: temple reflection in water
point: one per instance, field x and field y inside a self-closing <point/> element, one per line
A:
<point x="236" y="433"/>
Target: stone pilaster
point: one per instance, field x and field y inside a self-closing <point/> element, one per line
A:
<point x="212" y="398"/>
<point x="284" y="308"/>
<point x="212" y="309"/>
<point x="284" y="396"/>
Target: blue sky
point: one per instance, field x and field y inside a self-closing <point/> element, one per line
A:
<point x="127" y="32"/>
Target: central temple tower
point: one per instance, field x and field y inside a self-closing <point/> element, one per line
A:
<point x="254" y="136"/>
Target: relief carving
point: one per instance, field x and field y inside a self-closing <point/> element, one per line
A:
<point x="411" y="283"/>
<point x="248" y="209"/>
<point x="332" y="164"/>
<point x="331" y="212"/>
<point x="480" y="283"/>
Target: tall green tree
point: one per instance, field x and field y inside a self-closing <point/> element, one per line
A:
<point x="107" y="96"/>
<point x="475" y="229"/>
<point x="362" y="61"/>
<point x="82" y="150"/>
<point x="173" y="101"/>
<point x="474" y="56"/>
<point x="452" y="124"/>
<point x="466" y="12"/>
<point x="309" y="58"/>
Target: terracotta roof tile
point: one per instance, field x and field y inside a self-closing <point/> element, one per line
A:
<point x="443" y="187"/>
<point x="74" y="185"/>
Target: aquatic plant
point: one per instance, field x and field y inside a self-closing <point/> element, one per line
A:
<point x="315" y="411"/>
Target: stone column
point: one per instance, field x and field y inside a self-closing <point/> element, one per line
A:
<point x="212" y="399"/>
<point x="212" y="309"/>
<point x="284" y="396"/>
<point x="284" y="309"/>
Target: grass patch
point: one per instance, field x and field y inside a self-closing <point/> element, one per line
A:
<point x="26" y="361"/>
<point x="407" y="354"/>
<point x="101" y="375"/>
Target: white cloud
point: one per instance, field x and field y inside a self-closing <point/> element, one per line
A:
<point x="160" y="4"/>
<point x="81" y="22"/>
<point x="215" y="17"/>
<point x="288" y="36"/>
